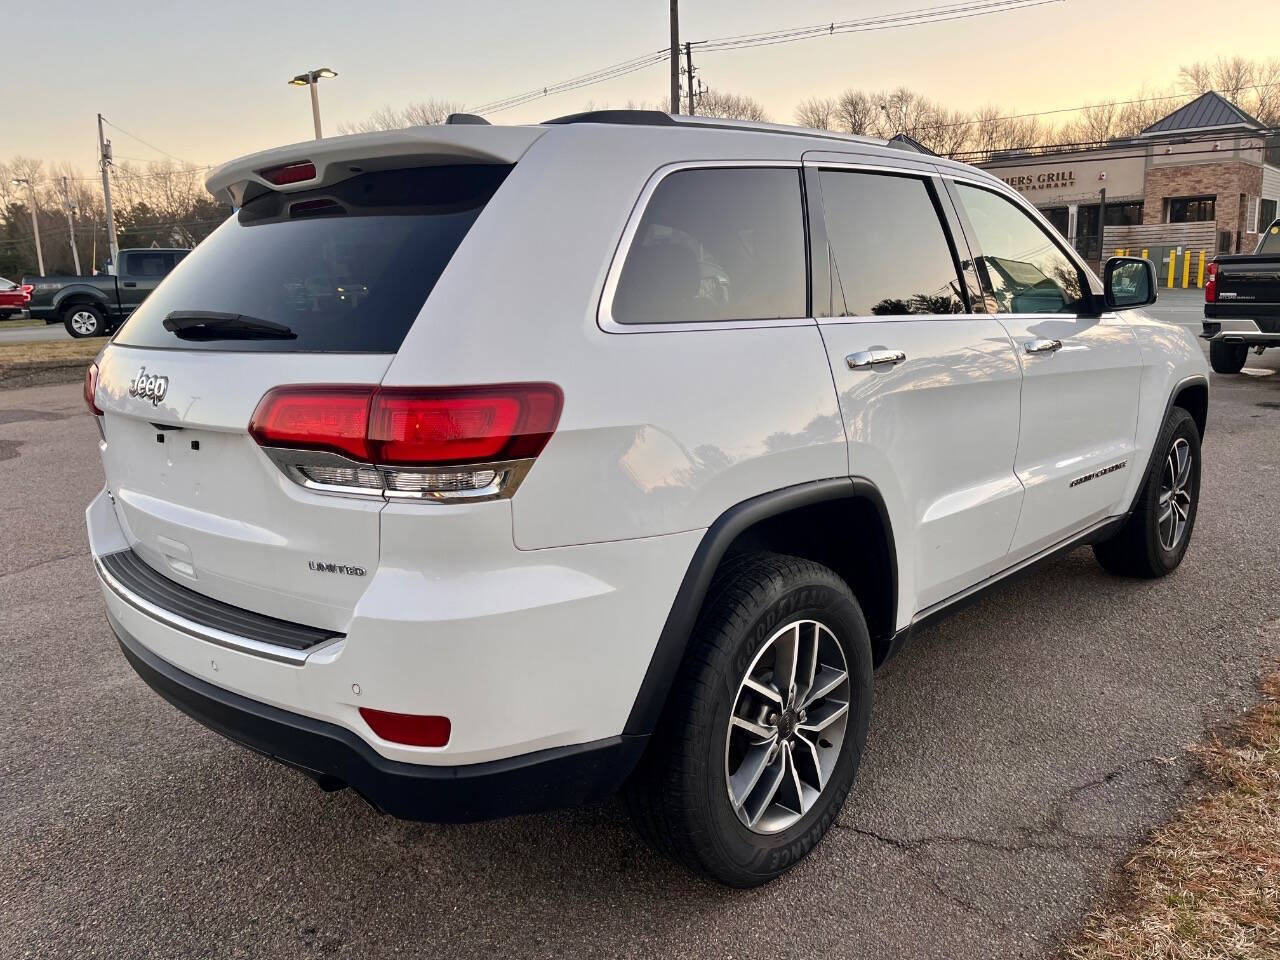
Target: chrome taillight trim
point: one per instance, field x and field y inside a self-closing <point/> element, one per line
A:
<point x="508" y="475"/>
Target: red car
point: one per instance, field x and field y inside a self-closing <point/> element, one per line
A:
<point x="13" y="298"/>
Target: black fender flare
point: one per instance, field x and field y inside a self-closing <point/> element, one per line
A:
<point x="673" y="641"/>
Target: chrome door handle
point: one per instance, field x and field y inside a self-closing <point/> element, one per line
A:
<point x="1043" y="346"/>
<point x="869" y="359"/>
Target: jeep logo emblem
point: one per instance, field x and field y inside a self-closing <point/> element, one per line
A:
<point x="148" y="386"/>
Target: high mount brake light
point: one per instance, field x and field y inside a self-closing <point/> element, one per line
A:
<point x="442" y="443"/>
<point x="91" y="389"/>
<point x="1211" y="285"/>
<point x="289" y="173"/>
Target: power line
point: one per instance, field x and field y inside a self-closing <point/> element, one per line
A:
<point x="1088" y="106"/>
<point x="918" y="16"/>
<point x="146" y="143"/>
<point x="921" y="15"/>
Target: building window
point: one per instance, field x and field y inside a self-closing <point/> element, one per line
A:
<point x="1267" y="214"/>
<point x="1126" y="214"/>
<point x="1191" y="209"/>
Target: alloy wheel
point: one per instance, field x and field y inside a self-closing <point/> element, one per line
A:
<point x="1174" y="504"/>
<point x="84" y="322"/>
<point x="787" y="726"/>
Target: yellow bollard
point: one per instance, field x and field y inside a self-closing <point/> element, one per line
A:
<point x="1186" y="268"/>
<point x="1144" y="253"/>
<point x="1200" y="272"/>
<point x="1173" y="263"/>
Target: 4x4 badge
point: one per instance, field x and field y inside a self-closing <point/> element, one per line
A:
<point x="148" y="386"/>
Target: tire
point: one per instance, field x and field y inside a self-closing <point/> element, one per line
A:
<point x="679" y="797"/>
<point x="1147" y="545"/>
<point x="7" y="314"/>
<point x="1227" y="357"/>
<point x="83" y="320"/>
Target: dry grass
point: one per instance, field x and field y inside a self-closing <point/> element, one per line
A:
<point x="1207" y="885"/>
<point x="86" y="350"/>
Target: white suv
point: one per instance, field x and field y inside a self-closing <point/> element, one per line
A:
<point x="490" y="469"/>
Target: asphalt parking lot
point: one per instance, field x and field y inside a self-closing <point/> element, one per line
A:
<point x="1018" y="751"/>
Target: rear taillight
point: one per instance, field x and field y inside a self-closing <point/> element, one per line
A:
<point x="333" y="419"/>
<point x="443" y="443"/>
<point x="26" y="291"/>
<point x="289" y="173"/>
<point x="91" y="389"/>
<point x="412" y="729"/>
<point x="1211" y="285"/>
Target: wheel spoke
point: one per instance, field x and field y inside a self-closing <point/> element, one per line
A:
<point x="827" y="680"/>
<point x="786" y="655"/>
<point x="823" y="716"/>
<point x="757" y="730"/>
<point x="794" y="783"/>
<point x="753" y="767"/>
<point x="1183" y="451"/>
<point x="764" y="690"/>
<point x="777" y="773"/>
<point x="1165" y="514"/>
<point x="808" y="751"/>
<point x="809" y="663"/>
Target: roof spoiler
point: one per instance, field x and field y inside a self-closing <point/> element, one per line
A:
<point x="338" y="158"/>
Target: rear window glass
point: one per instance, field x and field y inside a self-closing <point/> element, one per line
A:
<point x="890" y="254"/>
<point x="345" y="268"/>
<point x="717" y="244"/>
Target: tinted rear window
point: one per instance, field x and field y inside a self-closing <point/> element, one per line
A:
<point x="890" y="254"/>
<point x="347" y="268"/>
<point x="717" y="244"/>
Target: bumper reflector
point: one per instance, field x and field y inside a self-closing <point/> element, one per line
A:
<point x="408" y="728"/>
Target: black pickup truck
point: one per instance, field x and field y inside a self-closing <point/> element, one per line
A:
<point x="1242" y="303"/>
<point x="94" y="306"/>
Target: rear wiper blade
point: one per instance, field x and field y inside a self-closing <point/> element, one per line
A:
<point x="206" y="325"/>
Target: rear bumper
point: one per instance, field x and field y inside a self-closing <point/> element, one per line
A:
<point x="1262" y="331"/>
<point x="335" y="757"/>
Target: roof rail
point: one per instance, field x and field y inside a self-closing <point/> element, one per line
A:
<point x="454" y="119"/>
<point x="639" y="118"/>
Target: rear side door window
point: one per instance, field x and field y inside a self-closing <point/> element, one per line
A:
<point x="1026" y="271"/>
<point x="717" y="244"/>
<point x="890" y="253"/>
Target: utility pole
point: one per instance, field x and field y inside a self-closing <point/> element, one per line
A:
<point x="35" y="221"/>
<point x="104" y="158"/>
<point x="688" y="69"/>
<point x="71" y="225"/>
<point x="675" y="56"/>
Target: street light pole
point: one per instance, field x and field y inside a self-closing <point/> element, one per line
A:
<point x="310" y="79"/>
<point x="35" y="222"/>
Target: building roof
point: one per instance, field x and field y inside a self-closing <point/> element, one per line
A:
<point x="1210" y="109"/>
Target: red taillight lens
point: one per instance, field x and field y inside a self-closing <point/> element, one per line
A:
<point x="463" y="424"/>
<point x="1211" y="285"/>
<point x="289" y="173"/>
<point x="408" y="728"/>
<point x="91" y="389"/>
<point x="398" y="426"/>
<point x="26" y="291"/>
<point x="315" y="418"/>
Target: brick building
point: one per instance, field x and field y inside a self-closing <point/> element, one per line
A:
<point x="1204" y="178"/>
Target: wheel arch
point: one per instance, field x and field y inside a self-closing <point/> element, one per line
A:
<point x="75" y="296"/>
<point x="809" y="520"/>
<point x="1192" y="395"/>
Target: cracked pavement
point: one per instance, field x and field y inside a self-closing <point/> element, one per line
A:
<point x="1018" y="752"/>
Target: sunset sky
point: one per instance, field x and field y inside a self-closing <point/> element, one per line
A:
<point x="207" y="82"/>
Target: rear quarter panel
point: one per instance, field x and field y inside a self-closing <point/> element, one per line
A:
<point x="661" y="432"/>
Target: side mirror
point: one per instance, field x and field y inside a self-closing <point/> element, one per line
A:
<point x="1129" y="282"/>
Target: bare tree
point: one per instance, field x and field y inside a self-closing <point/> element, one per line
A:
<point x="818" y="113"/>
<point x="731" y="106"/>
<point x="1253" y="85"/>
<point x="416" y="114"/>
